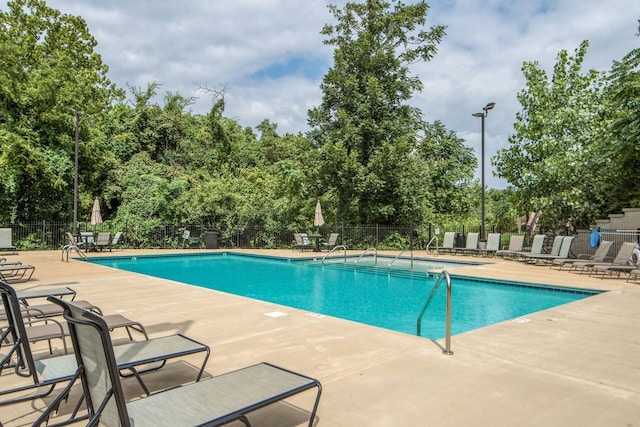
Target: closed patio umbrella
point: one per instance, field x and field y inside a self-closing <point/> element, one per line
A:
<point x="96" y="217"/>
<point x="318" y="221"/>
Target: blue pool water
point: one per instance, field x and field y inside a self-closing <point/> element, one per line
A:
<point x="388" y="299"/>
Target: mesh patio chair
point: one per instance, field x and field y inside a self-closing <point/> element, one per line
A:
<point x="537" y="247"/>
<point x="599" y="256"/>
<point x="329" y="244"/>
<point x="448" y="242"/>
<point x="515" y="246"/>
<point x="561" y="249"/>
<point x="621" y="259"/>
<point x="5" y="240"/>
<point x="42" y="376"/>
<point x="103" y="241"/>
<point x="211" y="402"/>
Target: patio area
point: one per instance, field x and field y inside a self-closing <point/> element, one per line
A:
<point x="573" y="365"/>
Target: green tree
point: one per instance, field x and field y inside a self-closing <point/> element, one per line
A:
<point x="449" y="165"/>
<point x="552" y="161"/>
<point x="501" y="209"/>
<point x="364" y="112"/>
<point x="49" y="67"/>
<point x="622" y="148"/>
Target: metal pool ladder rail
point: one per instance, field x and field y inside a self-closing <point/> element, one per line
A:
<point x="375" y="256"/>
<point x="429" y="245"/>
<point x="399" y="255"/>
<point x="343" y="247"/>
<point x="443" y="276"/>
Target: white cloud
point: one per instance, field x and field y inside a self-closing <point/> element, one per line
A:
<point x="182" y="44"/>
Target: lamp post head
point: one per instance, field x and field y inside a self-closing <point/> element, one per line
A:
<point x="485" y="110"/>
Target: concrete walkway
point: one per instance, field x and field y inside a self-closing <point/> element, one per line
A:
<point x="573" y="365"/>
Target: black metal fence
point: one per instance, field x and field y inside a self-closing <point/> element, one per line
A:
<point x="47" y="235"/>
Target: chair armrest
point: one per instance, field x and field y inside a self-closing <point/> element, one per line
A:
<point x="30" y="312"/>
<point x="31" y="321"/>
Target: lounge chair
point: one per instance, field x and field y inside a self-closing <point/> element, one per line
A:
<point x="103" y="240"/>
<point x="6" y="263"/>
<point x="563" y="252"/>
<point x="515" y="245"/>
<point x="617" y="266"/>
<point x="116" y="241"/>
<point x="302" y="241"/>
<point x="471" y="244"/>
<point x="38" y="329"/>
<point x="5" y="240"/>
<point x="41" y="324"/>
<point x="634" y="275"/>
<point x="599" y="256"/>
<point x="211" y="402"/>
<point x="16" y="273"/>
<point x="448" y="242"/>
<point x="38" y="292"/>
<point x="492" y="245"/>
<point x="49" y="310"/>
<point x="537" y="247"/>
<point x="331" y="243"/>
<point x="603" y="271"/>
<point x="621" y="259"/>
<point x="42" y="376"/>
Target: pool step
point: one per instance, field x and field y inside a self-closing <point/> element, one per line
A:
<point x="372" y="269"/>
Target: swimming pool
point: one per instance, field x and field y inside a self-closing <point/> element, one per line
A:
<point x="385" y="298"/>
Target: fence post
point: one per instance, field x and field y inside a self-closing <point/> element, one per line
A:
<point x="411" y="236"/>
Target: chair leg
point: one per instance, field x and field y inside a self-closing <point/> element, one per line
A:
<point x="64" y="345"/>
<point x="136" y="326"/>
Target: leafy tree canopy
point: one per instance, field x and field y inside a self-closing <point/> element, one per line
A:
<point x="364" y="126"/>
<point x="49" y="67"/>
<point x="369" y="156"/>
<point x="621" y="187"/>
<point x="553" y="160"/>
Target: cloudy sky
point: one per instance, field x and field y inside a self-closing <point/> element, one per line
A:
<point x="269" y="55"/>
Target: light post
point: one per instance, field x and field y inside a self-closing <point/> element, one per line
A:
<point x="77" y="115"/>
<point x="485" y="111"/>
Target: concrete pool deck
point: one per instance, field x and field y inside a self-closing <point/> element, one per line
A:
<point x="574" y="365"/>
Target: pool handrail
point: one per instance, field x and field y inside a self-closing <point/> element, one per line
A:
<point x="444" y="275"/>
<point x="334" y="248"/>
<point x="72" y="246"/>
<point x="399" y="255"/>
<point x="375" y="256"/>
<point x="429" y="245"/>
